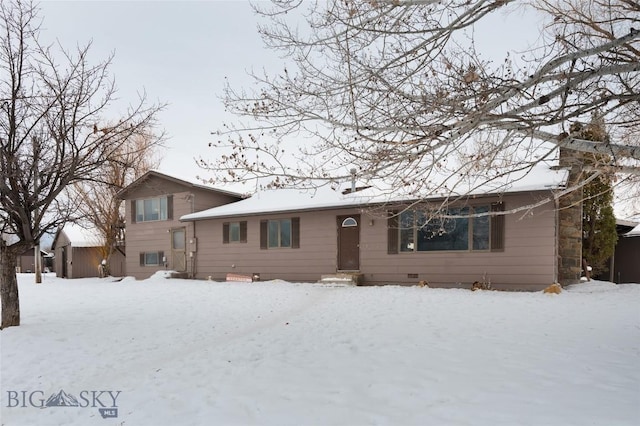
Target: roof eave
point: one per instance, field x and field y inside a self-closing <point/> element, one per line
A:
<point x="373" y="204"/>
<point x="133" y="185"/>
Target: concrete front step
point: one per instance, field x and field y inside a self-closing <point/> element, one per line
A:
<point x="344" y="278"/>
<point x="175" y="274"/>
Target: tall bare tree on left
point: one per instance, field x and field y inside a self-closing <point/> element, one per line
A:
<point x="54" y="105"/>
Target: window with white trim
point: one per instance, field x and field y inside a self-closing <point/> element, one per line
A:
<point x="349" y="222"/>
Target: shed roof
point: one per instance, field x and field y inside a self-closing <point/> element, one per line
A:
<point x="79" y="236"/>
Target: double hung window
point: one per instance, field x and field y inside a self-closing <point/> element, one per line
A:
<point x="234" y="232"/>
<point x="151" y="209"/>
<point x="280" y="233"/>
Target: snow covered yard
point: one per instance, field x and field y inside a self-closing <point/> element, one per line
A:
<point x="205" y="353"/>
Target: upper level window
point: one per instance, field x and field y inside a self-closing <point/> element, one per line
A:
<point x="152" y="209"/>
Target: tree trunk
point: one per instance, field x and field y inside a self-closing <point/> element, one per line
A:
<point x="37" y="260"/>
<point x="9" y="286"/>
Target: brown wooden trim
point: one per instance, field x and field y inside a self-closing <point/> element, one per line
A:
<point x="295" y="232"/>
<point x="497" y="227"/>
<point x="169" y="207"/>
<point x="225" y="233"/>
<point x="263" y="235"/>
<point x="243" y="231"/>
<point x="142" y="259"/>
<point x="133" y="211"/>
<point x="392" y="232"/>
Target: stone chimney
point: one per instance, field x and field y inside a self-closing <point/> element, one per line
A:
<point x="570" y="220"/>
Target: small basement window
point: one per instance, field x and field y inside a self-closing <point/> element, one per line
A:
<point x="153" y="258"/>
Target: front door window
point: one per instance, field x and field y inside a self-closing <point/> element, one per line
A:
<point x="178" y="244"/>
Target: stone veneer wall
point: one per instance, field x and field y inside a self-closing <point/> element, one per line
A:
<point x="570" y="221"/>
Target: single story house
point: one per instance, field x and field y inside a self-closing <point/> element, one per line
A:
<point x="377" y="236"/>
<point x="156" y="238"/>
<point x="79" y="254"/>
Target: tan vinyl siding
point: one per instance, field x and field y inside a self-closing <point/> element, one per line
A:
<point x="316" y="255"/>
<point x="117" y="264"/>
<point x="26" y="262"/>
<point x="627" y="260"/>
<point x="150" y="237"/>
<point x="61" y="242"/>
<point x="81" y="262"/>
<point x="527" y="261"/>
<point x="85" y="262"/>
<point x="143" y="237"/>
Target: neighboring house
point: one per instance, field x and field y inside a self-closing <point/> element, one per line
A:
<point x="626" y="259"/>
<point x="156" y="239"/>
<point x="26" y="261"/>
<point x="301" y="235"/>
<point x="48" y="262"/>
<point x="78" y="253"/>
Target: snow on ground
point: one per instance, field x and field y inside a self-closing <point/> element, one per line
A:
<point x="205" y="353"/>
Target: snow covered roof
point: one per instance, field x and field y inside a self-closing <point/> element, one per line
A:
<point x="286" y="200"/>
<point x="635" y="232"/>
<point x="82" y="237"/>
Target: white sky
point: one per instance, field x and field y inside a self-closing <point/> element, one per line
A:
<point x="179" y="52"/>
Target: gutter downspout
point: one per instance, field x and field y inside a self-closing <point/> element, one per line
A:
<point x="556" y="247"/>
<point x="193" y="252"/>
<point x="193" y="242"/>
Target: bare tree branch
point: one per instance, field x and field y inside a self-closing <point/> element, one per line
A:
<point x="54" y="106"/>
<point x="398" y="90"/>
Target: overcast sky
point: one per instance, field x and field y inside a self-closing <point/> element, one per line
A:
<point x="180" y="52"/>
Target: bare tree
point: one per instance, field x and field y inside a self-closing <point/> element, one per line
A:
<point x="399" y="90"/>
<point x="98" y="205"/>
<point x="53" y="104"/>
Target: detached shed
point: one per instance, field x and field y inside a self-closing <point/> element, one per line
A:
<point x="626" y="260"/>
<point x="78" y="253"/>
<point x="26" y="261"/>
